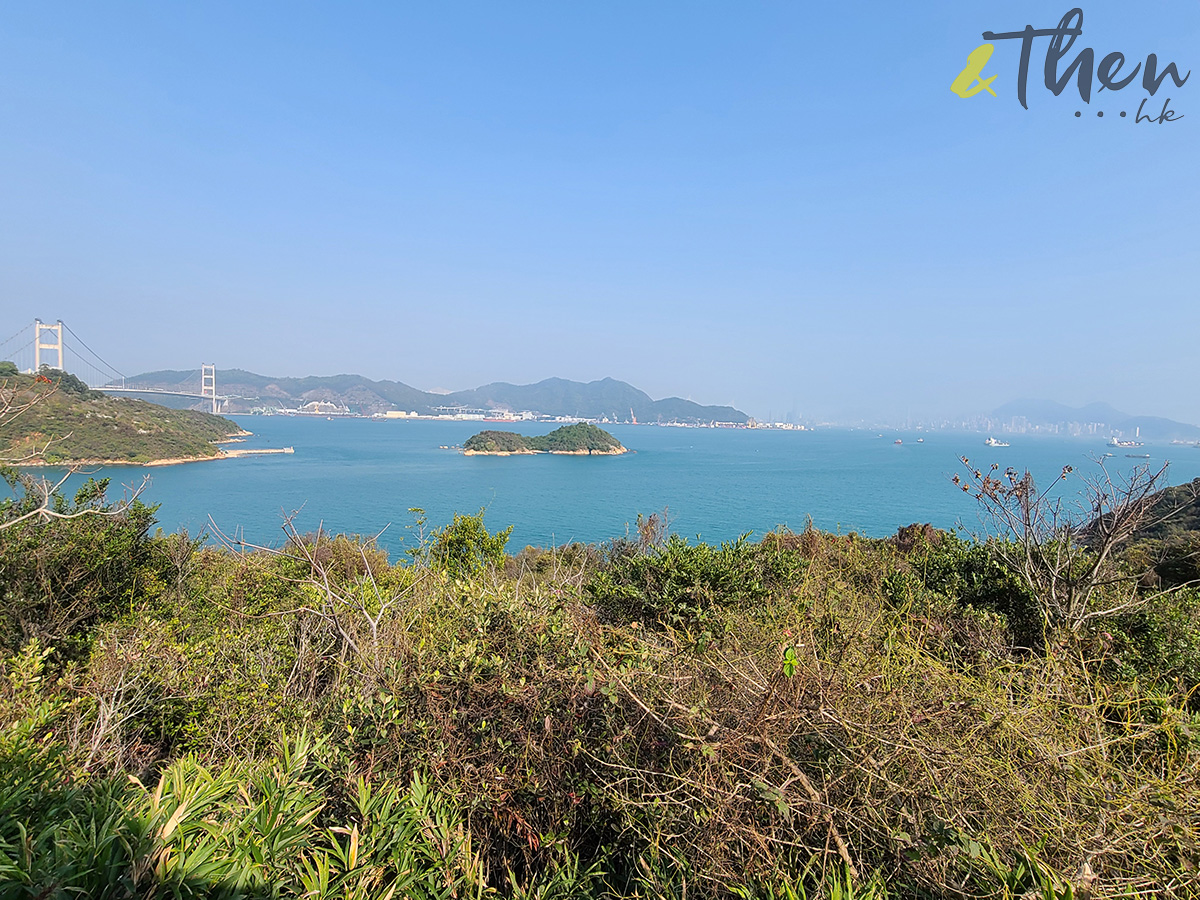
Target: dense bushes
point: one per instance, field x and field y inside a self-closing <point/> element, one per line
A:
<point x="286" y="825"/>
<point x="656" y="718"/>
<point x="61" y="575"/>
<point x="970" y="574"/>
<point x="680" y="585"/>
<point x="1160" y="645"/>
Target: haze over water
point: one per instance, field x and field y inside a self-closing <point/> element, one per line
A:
<point x="361" y="475"/>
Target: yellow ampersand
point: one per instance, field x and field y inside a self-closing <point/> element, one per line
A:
<point x="969" y="83"/>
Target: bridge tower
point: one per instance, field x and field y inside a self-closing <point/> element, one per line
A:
<point x="208" y="383"/>
<point x="56" y="345"/>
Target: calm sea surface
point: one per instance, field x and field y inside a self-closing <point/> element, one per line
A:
<point x="362" y="476"/>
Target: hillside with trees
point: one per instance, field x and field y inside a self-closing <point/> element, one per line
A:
<point x="66" y="422"/>
<point x="1175" y="511"/>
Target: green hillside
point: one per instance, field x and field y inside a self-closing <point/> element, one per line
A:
<point x="68" y="422"/>
<point x="1176" y="512"/>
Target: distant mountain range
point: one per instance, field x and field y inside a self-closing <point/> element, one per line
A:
<point x="1046" y="412"/>
<point x="607" y="398"/>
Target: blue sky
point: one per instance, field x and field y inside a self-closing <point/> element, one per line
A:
<point x="776" y="205"/>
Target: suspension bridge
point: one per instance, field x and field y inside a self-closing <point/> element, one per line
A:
<point x="43" y="345"/>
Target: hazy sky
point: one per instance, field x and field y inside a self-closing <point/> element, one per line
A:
<point x="781" y="206"/>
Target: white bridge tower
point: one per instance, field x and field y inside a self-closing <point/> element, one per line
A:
<point x="56" y="345"/>
<point x="208" y="384"/>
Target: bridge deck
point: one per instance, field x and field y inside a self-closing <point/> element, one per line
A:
<point x="127" y="390"/>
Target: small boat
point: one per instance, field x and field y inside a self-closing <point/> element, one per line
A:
<point x="920" y="440"/>
<point x="1137" y="455"/>
<point x="897" y="441"/>
<point x="992" y="442"/>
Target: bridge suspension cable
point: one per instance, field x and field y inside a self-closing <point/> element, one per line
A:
<point x="19" y="356"/>
<point x="13" y="338"/>
<point x="24" y="346"/>
<point x="100" y="366"/>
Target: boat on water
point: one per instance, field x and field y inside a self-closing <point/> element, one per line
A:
<point x="920" y="440"/>
<point x="1114" y="442"/>
<point x="1137" y="455"/>
<point x="897" y="441"/>
<point x="993" y="442"/>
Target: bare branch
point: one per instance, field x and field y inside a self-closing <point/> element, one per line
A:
<point x="344" y="608"/>
<point x="45" y="491"/>
<point x="1066" y="557"/>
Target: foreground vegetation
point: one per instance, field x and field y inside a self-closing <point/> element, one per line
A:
<point x="808" y="715"/>
<point x="581" y="437"/>
<point x="65" y="421"/>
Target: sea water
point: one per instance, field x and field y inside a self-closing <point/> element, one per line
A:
<point x="363" y="476"/>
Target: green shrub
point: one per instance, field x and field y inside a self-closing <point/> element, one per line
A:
<point x="464" y="548"/>
<point x="60" y="576"/>
<point x="969" y="573"/>
<point x="1159" y="644"/>
<point x="681" y="585"/>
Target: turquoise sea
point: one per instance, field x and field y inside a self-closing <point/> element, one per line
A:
<point x="362" y="476"/>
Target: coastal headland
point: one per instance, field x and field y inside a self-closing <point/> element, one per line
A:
<point x="55" y="420"/>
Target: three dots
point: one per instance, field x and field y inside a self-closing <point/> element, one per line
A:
<point x="1099" y="114"/>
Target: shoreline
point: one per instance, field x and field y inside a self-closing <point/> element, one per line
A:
<point x="235" y="437"/>
<point x="221" y="453"/>
<point x="71" y="463"/>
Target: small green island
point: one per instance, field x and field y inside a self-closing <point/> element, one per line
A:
<point x="580" y="439"/>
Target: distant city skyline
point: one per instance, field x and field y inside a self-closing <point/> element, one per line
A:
<point x="775" y="207"/>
